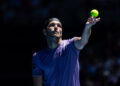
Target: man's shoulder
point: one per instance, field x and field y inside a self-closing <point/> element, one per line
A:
<point x="75" y="38"/>
<point x="67" y="42"/>
<point x="71" y="39"/>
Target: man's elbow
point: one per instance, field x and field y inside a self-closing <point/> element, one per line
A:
<point x="85" y="42"/>
<point x="82" y="45"/>
<point x="79" y="44"/>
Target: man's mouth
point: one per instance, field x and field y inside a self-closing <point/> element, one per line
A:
<point x="55" y="32"/>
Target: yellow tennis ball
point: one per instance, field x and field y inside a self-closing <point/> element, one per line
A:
<point x="94" y="13"/>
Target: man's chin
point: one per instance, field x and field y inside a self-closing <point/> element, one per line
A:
<point x="57" y="35"/>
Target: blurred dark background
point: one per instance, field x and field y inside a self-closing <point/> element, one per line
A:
<point x="21" y="24"/>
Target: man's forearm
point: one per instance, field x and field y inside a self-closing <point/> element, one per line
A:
<point x="86" y="34"/>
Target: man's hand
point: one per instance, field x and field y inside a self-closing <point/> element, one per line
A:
<point x="92" y="21"/>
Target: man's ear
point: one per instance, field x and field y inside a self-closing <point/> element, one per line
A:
<point x="44" y="32"/>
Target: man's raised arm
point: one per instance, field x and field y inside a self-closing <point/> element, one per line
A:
<point x="83" y="40"/>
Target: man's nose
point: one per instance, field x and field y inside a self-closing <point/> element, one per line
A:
<point x="55" y="26"/>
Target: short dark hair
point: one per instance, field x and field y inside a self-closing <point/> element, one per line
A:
<point x="49" y="20"/>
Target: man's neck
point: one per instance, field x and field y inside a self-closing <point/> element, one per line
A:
<point x="54" y="43"/>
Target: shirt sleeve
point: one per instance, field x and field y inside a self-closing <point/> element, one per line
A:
<point x="72" y="45"/>
<point x="36" y="70"/>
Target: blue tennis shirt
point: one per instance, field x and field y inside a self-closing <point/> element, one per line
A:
<point x="59" y="66"/>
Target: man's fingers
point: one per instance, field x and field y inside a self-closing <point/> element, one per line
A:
<point x="97" y="19"/>
<point x="93" y="20"/>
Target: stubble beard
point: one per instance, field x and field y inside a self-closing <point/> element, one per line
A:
<point x="54" y="38"/>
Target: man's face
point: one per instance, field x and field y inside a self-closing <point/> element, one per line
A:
<point x="54" y="29"/>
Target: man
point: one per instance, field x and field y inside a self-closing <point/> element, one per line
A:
<point x="58" y="64"/>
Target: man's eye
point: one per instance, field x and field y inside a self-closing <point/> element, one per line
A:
<point x="59" y="25"/>
<point x="51" y="25"/>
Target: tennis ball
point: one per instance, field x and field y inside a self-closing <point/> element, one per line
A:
<point x="94" y="13"/>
